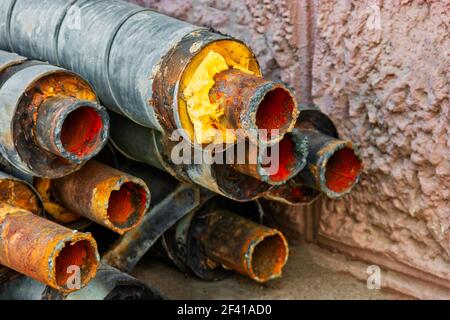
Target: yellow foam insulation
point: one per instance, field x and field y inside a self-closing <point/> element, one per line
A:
<point x="207" y="118"/>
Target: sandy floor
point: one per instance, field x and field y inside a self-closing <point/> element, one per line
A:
<point x="302" y="279"/>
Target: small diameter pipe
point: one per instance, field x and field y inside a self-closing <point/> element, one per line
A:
<point x="46" y="251"/>
<point x="252" y="103"/>
<point x="51" y="122"/>
<point x="244" y="246"/>
<point x="333" y="165"/>
<point x="71" y="128"/>
<point x="102" y="194"/>
<point x="278" y="163"/>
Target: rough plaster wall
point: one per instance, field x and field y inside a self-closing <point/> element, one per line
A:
<point x="387" y="89"/>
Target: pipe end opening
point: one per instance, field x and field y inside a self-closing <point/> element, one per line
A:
<point x="127" y="206"/>
<point x="276" y="111"/>
<point x="288" y="161"/>
<point x="81" y="132"/>
<point x="269" y="257"/>
<point x="342" y="170"/>
<point x="75" y="259"/>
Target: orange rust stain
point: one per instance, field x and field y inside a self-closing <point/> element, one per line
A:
<point x="18" y="194"/>
<point x="80" y="131"/>
<point x="58" y="212"/>
<point x="342" y="169"/>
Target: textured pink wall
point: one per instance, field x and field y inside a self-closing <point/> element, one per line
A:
<point x="386" y="87"/>
<point x="380" y="70"/>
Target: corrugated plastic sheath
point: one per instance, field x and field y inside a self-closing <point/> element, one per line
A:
<point x="117" y="46"/>
<point x="44" y="250"/>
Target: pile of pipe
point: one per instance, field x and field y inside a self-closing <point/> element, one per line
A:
<point x="78" y="213"/>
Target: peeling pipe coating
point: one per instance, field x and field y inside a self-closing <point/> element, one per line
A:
<point x="118" y="39"/>
<point x="39" y="134"/>
<point x="44" y="250"/>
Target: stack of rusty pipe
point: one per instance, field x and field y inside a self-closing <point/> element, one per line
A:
<point x="169" y="61"/>
<point x="184" y="99"/>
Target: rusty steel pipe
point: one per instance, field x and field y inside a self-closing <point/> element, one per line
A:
<point x="210" y="242"/>
<point x="45" y="251"/>
<point x="138" y="60"/>
<point x="108" y="284"/>
<point x="334" y="165"/>
<point x="100" y="193"/>
<point x="21" y="194"/>
<point x="51" y="122"/>
<point x="277" y="163"/>
<point x="253" y="103"/>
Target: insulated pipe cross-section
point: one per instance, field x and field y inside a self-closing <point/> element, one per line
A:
<point x="51" y="121"/>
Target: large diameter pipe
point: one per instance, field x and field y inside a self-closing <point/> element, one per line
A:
<point x="46" y="251"/>
<point x="100" y="193"/>
<point x="138" y="60"/>
<point x="51" y="122"/>
<point x="108" y="284"/>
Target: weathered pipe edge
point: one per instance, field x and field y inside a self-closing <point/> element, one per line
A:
<point x="334" y="166"/>
<point x="18" y="193"/>
<point x="253" y="103"/>
<point x="54" y="117"/>
<point x="108" y="284"/>
<point x="151" y="147"/>
<point x="131" y="247"/>
<point x="50" y="249"/>
<point x="292" y="151"/>
<point x="105" y="195"/>
<point x="213" y="242"/>
<point x="325" y="145"/>
<point x="20" y="82"/>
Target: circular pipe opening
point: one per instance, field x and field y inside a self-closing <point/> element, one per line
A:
<point x="81" y="131"/>
<point x="127" y="205"/>
<point x="269" y="257"/>
<point x="342" y="170"/>
<point x="75" y="257"/>
<point x="275" y="111"/>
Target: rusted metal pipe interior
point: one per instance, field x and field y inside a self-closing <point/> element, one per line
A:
<point x="54" y="253"/>
<point x="97" y="192"/>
